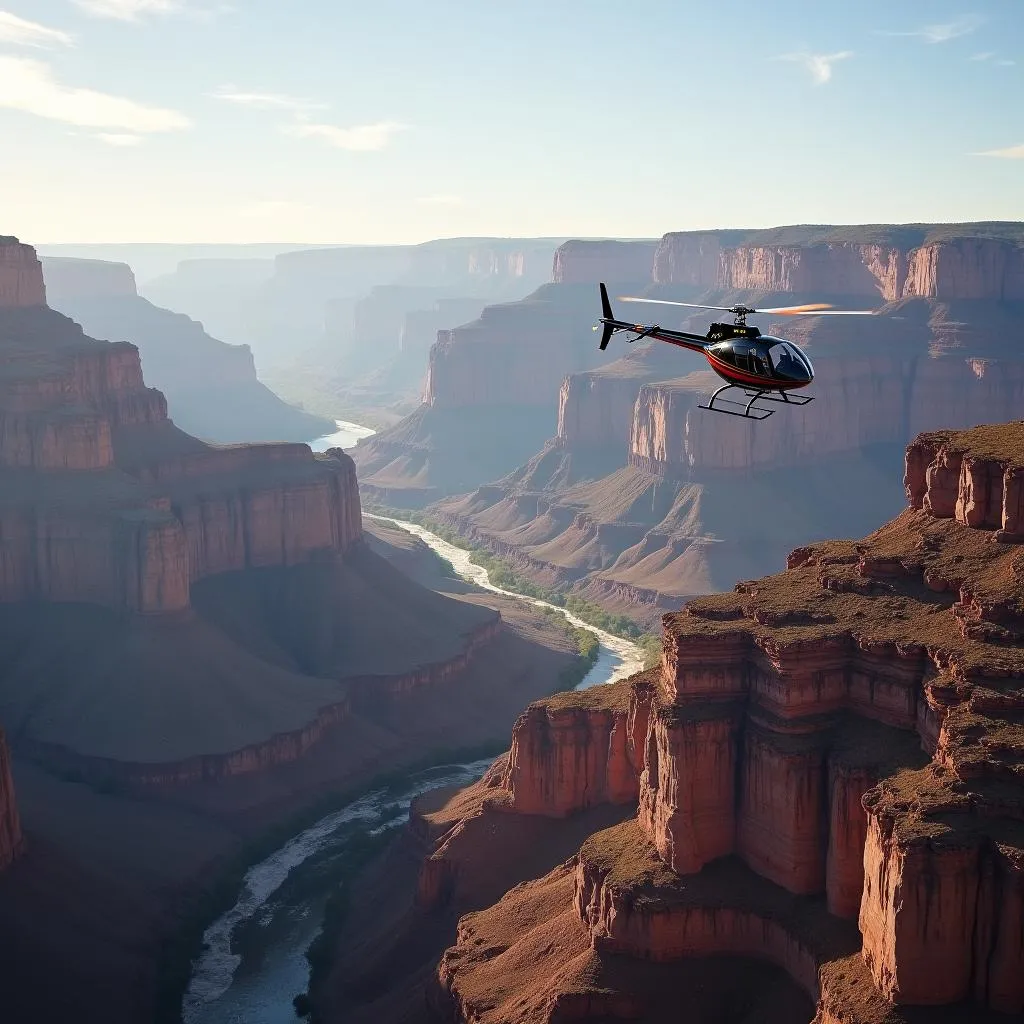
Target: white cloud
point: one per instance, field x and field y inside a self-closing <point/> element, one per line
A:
<point x="363" y="138"/>
<point x="818" y="64"/>
<point x="441" y="200"/>
<point x="266" y="100"/>
<point x="1010" y="153"/>
<point x="128" y="10"/>
<point x="30" y="33"/>
<point x="945" y="31"/>
<point x="118" y="138"/>
<point x="133" y="10"/>
<point x="29" y="86"/>
<point x="991" y="58"/>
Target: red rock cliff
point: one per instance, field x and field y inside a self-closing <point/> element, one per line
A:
<point x="21" y="279"/>
<point x="929" y="261"/>
<point x="130" y="509"/>
<point x="847" y="732"/>
<point x="10" y="825"/>
<point x="575" y="751"/>
<point x="579" y="262"/>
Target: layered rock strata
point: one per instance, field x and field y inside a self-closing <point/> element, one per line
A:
<point x="634" y="503"/>
<point x="579" y="262"/>
<point x="172" y="569"/>
<point x="829" y="750"/>
<point x="156" y="509"/>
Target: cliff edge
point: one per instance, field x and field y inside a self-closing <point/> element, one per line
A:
<point x="827" y="766"/>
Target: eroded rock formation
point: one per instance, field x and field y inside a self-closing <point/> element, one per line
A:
<point x="175" y="572"/>
<point x="21" y="283"/>
<point x="636" y="497"/>
<point x="828" y="766"/>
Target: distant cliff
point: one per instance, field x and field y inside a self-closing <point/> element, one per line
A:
<point x="160" y="507"/>
<point x="637" y="501"/>
<point x="212" y="389"/>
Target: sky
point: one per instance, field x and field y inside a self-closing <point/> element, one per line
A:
<point x="396" y="121"/>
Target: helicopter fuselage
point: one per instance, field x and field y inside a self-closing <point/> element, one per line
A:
<point x="739" y="354"/>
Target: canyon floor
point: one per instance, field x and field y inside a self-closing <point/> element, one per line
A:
<point x="109" y="875"/>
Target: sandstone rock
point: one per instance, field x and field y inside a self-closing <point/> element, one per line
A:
<point x="21" y="276"/>
<point x="579" y="262"/>
<point x="155" y="508"/>
<point x="783" y="762"/>
<point x="573" y="752"/>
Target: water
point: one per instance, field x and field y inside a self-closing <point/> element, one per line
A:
<point x="279" y="911"/>
<point x="617" y="657"/>
<point x="254" y="963"/>
<point x="345" y="436"/>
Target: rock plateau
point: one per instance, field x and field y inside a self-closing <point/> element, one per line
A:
<point x="827" y="775"/>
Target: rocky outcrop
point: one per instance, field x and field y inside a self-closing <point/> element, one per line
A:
<point x="21" y="283"/>
<point x="579" y="262"/>
<point x="573" y="752"/>
<point x="832" y="749"/>
<point x="10" y="823"/>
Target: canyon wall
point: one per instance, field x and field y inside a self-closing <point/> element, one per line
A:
<point x="638" y="497"/>
<point x="212" y="389"/>
<point x="984" y="261"/>
<point x="827" y="762"/>
<point x="21" y="282"/>
<point x="579" y="262"/>
<point x="68" y="279"/>
<point x="10" y="824"/>
<point x="156" y="507"/>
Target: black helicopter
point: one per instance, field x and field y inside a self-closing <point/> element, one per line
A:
<point x="759" y="365"/>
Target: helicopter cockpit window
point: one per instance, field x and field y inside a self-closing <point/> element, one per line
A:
<point x="788" y="362"/>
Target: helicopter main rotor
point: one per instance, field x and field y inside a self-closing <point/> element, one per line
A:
<point x="741" y="312"/>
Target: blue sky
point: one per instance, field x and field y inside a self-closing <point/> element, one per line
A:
<point x="403" y="120"/>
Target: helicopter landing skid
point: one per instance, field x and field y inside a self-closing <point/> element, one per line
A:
<point x="750" y="411"/>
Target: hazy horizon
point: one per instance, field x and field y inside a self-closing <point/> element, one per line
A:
<point x="197" y="122"/>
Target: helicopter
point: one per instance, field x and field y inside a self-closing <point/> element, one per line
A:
<point x="762" y="367"/>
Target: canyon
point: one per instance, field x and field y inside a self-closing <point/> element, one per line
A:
<point x="198" y="641"/>
<point x="813" y="805"/>
<point x="607" y="481"/>
<point x="211" y="388"/>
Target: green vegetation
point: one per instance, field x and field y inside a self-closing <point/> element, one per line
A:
<point x="650" y="644"/>
<point x="204" y="906"/>
<point x="501" y="574"/>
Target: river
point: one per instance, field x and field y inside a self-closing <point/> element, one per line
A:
<point x="253" y="963"/>
<point x="345" y="436"/>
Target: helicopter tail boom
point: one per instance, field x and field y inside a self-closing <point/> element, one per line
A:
<point x="607" y="318"/>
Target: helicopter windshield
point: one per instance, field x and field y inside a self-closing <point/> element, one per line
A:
<point x="789" y="362"/>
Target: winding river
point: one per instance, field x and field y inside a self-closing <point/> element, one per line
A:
<point x="253" y="961"/>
